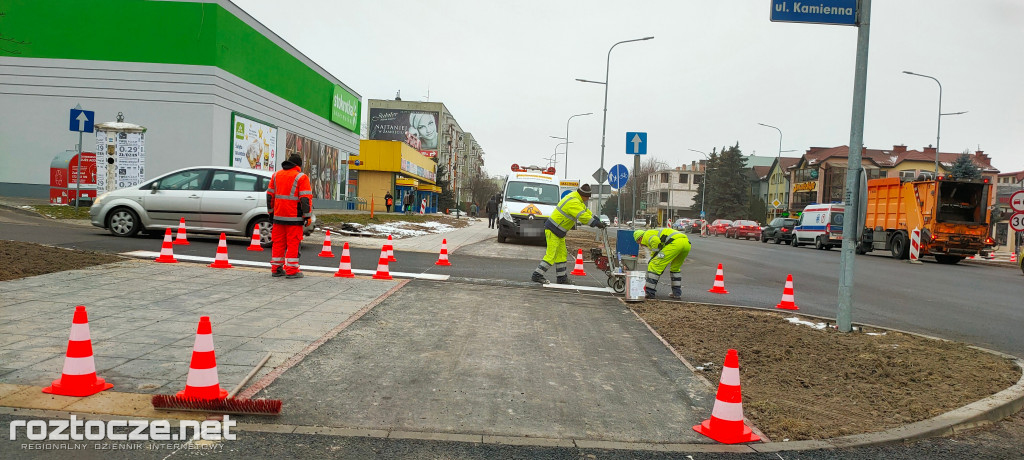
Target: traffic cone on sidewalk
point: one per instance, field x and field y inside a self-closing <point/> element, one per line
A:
<point x="181" y="239"/>
<point x="391" y="251"/>
<point x="578" y="269"/>
<point x="166" y="251"/>
<point x="345" y="267"/>
<point x="1013" y="257"/>
<point x="726" y="423"/>
<point x="79" y="375"/>
<point x="382" y="266"/>
<point x="202" y="382"/>
<point x="254" y="244"/>
<point x="326" y="252"/>
<point x="222" y="254"/>
<point x="788" y="302"/>
<point x="719" y="286"/>
<point x="442" y="259"/>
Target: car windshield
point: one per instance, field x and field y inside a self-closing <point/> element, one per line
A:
<point x="530" y="192"/>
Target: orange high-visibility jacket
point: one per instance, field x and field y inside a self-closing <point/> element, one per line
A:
<point x="290" y="197"/>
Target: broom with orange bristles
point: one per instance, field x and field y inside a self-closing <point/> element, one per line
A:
<point x="228" y="405"/>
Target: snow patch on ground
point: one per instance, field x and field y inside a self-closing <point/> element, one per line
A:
<point x="796" y="320"/>
<point x="406" y="229"/>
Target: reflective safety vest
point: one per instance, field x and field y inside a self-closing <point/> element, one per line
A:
<point x="567" y="213"/>
<point x="290" y="197"/>
<point x="652" y="238"/>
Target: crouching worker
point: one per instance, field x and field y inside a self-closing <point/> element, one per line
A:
<point x="569" y="211"/>
<point x="668" y="247"/>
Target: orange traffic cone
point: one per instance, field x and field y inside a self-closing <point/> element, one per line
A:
<point x="578" y="269"/>
<point x="787" y="302"/>
<point x="254" y="244"/>
<point x="181" y="239"/>
<point x="166" y="251"/>
<point x="726" y="423"/>
<point x="442" y="259"/>
<point x="202" y="382"/>
<point x="326" y="252"/>
<point x="382" y="266"/>
<point x="719" y="286"/>
<point x="391" y="251"/>
<point x="79" y="375"/>
<point x="345" y="267"/>
<point x="1013" y="257"/>
<point x="221" y="261"/>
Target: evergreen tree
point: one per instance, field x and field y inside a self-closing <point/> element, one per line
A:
<point x="446" y="200"/>
<point x="728" y="194"/>
<point x="964" y="168"/>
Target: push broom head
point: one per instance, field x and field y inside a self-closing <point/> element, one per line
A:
<point x="226" y="406"/>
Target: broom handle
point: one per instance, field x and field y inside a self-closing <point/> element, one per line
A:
<point x="248" y="377"/>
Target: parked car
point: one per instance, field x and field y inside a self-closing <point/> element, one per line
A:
<point x="212" y="199"/>
<point x="637" y="223"/>
<point x="694" y="226"/>
<point x="743" y="229"/>
<point x="604" y="219"/>
<point x="780" y="230"/>
<point x="681" y="224"/>
<point x="718" y="227"/>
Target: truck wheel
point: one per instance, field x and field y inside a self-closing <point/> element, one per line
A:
<point x="899" y="246"/>
<point x="948" y="260"/>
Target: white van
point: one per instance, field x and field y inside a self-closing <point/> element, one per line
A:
<point x="820" y="225"/>
<point x="530" y="196"/>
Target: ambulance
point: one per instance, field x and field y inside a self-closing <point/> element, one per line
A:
<point x="820" y="225"/>
<point x="529" y="197"/>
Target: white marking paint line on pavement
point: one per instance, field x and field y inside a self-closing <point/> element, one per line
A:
<point x="312" y="268"/>
<point x="570" y="287"/>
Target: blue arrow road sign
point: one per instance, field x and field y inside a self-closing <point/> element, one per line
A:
<point x="618" y="176"/>
<point x="81" y="120"/>
<point x="636" y="143"/>
<point x="839" y="12"/>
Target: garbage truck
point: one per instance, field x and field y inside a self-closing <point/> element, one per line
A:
<point x="953" y="216"/>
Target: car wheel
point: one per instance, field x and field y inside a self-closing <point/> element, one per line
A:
<point x="764" y="239"/>
<point x="778" y="240"/>
<point x="123" y="222"/>
<point x="264" y="227"/>
<point x="794" y="242"/>
<point x="818" y="244"/>
<point x="501" y="237"/>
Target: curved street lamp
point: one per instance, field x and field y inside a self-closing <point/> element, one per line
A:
<point x="566" y="176"/>
<point x="938" y="129"/>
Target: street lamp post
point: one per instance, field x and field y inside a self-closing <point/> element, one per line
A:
<point x="604" y="120"/>
<point x="703" y="189"/>
<point x="778" y="158"/>
<point x="566" y="176"/>
<point x="938" y="130"/>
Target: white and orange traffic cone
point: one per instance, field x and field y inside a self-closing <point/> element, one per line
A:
<point x="719" y="286"/>
<point x="578" y="269"/>
<point x="202" y="381"/>
<point x="345" y="267"/>
<point x="788" y="302"/>
<point x="166" y="251"/>
<point x="726" y="423"/>
<point x="182" y="239"/>
<point x="442" y="259"/>
<point x="382" y="266"/>
<point x="327" y="252"/>
<point x="222" y="254"/>
<point x="1013" y="257"/>
<point x="254" y="243"/>
<point x="391" y="251"/>
<point x="79" y="375"/>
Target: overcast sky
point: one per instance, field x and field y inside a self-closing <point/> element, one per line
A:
<point x="716" y="68"/>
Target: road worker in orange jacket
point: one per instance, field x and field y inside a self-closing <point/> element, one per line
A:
<point x="290" y="204"/>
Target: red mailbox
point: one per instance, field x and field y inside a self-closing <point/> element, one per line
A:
<point x="64" y="177"/>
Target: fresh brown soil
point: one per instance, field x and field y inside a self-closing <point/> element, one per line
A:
<point x="804" y="383"/>
<point x="30" y="259"/>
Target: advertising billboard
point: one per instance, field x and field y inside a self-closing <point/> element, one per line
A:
<point x="253" y="143"/>
<point x="320" y="162"/>
<point x="345" y="109"/>
<point x="416" y="128"/>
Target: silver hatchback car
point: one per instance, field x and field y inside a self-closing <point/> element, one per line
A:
<point x="212" y="199"/>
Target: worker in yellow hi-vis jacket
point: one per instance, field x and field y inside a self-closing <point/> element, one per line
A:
<point x="668" y="247"/>
<point x="569" y="211"/>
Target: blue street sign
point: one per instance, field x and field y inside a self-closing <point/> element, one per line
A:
<point x="636" y="143"/>
<point x="81" y="120"/>
<point x="565" y="192"/>
<point x="618" y="176"/>
<point x="839" y="12"/>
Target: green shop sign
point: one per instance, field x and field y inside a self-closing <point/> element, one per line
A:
<point x="345" y="109"/>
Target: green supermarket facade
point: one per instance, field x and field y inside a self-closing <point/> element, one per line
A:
<point x="189" y="72"/>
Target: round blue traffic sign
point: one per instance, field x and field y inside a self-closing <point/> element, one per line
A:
<point x="618" y="176"/>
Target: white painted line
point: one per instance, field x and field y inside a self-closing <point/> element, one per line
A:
<point x="572" y="287"/>
<point x="312" y="268"/>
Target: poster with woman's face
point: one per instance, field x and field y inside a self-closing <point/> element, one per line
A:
<point x="416" y="128"/>
<point x="319" y="162"/>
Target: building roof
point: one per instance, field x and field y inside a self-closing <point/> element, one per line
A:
<point x="895" y="156"/>
<point x="762" y="172"/>
<point x="1017" y="176"/>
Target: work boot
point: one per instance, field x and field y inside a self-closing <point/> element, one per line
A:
<point x="538" y="278"/>
<point x="675" y="296"/>
<point x="564" y="280"/>
<point x="294" y="275"/>
<point x="279" y="272"/>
